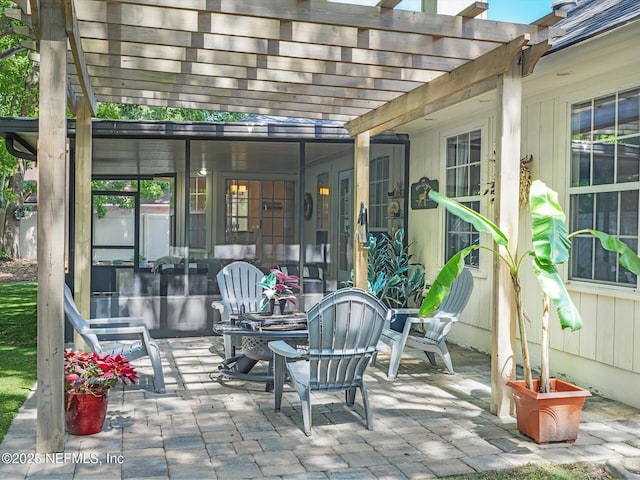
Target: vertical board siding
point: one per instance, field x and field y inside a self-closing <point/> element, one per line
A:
<point x="622" y="326"/>
<point x="588" y="333"/>
<point x="604" y="330"/>
<point x="636" y="338"/>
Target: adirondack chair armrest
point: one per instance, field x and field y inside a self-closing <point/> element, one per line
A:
<point x="222" y="308"/>
<point x="143" y="331"/>
<point x="406" y="311"/>
<point x="120" y="321"/>
<point x="382" y="346"/>
<point x="285" y="350"/>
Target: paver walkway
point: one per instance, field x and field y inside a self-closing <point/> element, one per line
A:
<point x="426" y="424"/>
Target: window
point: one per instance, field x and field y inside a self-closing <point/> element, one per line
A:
<point x="378" y="188"/>
<point x="198" y="212"/>
<point x="605" y="183"/>
<point x="463" y="184"/>
<point x="322" y="199"/>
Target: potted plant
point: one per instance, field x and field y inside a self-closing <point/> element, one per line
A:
<point x="551" y="246"/>
<point x="277" y="286"/>
<point x="88" y="378"/>
<point x="392" y="276"/>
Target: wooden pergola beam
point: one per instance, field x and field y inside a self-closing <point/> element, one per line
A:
<point x="473" y="10"/>
<point x="507" y="181"/>
<point x="314" y="11"/>
<point x="388" y="3"/>
<point x="247" y="58"/>
<point x="71" y="27"/>
<point x="266" y="110"/>
<point x="218" y="95"/>
<point x="531" y="56"/>
<point x="550" y="18"/>
<point x="51" y="227"/>
<point x="410" y="106"/>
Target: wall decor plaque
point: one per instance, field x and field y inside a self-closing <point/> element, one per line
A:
<point x="419" y="199"/>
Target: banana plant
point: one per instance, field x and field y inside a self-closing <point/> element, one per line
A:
<point x="551" y="247"/>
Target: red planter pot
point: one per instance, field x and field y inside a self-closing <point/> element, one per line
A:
<point x="85" y="412"/>
<point x="549" y="417"/>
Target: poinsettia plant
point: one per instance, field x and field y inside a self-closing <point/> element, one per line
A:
<point x="90" y="372"/>
<point x="277" y="285"/>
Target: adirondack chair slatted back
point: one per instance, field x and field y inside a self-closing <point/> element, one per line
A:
<point x="78" y="323"/>
<point x="452" y="306"/>
<point x="344" y="328"/>
<point x="238" y="283"/>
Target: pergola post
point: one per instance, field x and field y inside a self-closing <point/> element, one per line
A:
<point x="51" y="226"/>
<point x="507" y="183"/>
<point x="82" y="223"/>
<point x="360" y="195"/>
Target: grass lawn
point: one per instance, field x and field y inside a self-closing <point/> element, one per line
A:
<point x="18" y="307"/>
<point x="575" y="471"/>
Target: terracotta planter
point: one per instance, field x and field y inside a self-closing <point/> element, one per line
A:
<point x="85" y="412"/>
<point x="549" y="417"/>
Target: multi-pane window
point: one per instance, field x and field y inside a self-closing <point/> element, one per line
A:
<point x="463" y="184"/>
<point x="198" y="212"/>
<point x="605" y="183"/>
<point x="378" y="188"/>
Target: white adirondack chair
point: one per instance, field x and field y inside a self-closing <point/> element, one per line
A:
<point x="128" y="336"/>
<point x="238" y="284"/>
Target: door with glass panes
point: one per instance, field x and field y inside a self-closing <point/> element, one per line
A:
<point x="260" y="221"/>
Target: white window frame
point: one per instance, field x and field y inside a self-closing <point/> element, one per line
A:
<point x="614" y="187"/>
<point x="464" y="199"/>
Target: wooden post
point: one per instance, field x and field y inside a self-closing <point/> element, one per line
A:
<point x="51" y="226"/>
<point x="82" y="224"/>
<point x="360" y="194"/>
<point x="507" y="211"/>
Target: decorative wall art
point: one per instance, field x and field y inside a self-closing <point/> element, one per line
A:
<point x="419" y="199"/>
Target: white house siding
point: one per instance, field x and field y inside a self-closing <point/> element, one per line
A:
<point x="605" y="355"/>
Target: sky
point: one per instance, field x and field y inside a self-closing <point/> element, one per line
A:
<point x="517" y="11"/>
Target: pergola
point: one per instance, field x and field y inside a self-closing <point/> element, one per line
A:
<point x="374" y="68"/>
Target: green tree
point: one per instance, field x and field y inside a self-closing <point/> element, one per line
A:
<point x="18" y="98"/>
<point x="119" y="111"/>
<point x="149" y="190"/>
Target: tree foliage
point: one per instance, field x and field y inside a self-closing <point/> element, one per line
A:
<point x="119" y="111"/>
<point x="149" y="190"/>
<point x="18" y="98"/>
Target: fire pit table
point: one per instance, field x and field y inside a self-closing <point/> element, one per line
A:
<point x="256" y="331"/>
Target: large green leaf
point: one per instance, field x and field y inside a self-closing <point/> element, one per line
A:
<point x="548" y="226"/>
<point x="442" y="284"/>
<point x="628" y="259"/>
<point x="554" y="287"/>
<point x="481" y="223"/>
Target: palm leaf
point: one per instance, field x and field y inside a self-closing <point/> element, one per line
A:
<point x="552" y="284"/>
<point x="481" y="223"/>
<point x="442" y="284"/>
<point x="548" y="226"/>
<point x="628" y="259"/>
